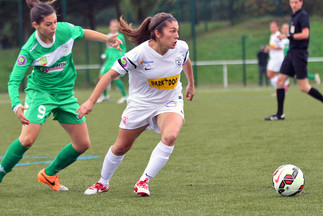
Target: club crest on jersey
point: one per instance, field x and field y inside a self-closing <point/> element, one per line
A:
<point x="178" y="62"/>
<point x="166" y="83"/>
<point x="21" y="60"/>
<point x="43" y="61"/>
<point x="124" y="62"/>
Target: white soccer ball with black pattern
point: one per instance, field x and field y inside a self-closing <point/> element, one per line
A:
<point x="288" y="180"/>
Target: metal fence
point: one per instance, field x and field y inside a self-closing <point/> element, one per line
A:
<point x="223" y="63"/>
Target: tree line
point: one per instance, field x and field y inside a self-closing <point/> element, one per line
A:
<point x="90" y="14"/>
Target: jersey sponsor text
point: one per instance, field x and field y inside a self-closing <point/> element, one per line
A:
<point x="166" y="83"/>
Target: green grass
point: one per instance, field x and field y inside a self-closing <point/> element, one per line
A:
<point x="222" y="163"/>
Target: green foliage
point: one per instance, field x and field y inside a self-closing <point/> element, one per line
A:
<point x="222" y="164"/>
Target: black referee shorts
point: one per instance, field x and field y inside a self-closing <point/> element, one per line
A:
<point x="295" y="63"/>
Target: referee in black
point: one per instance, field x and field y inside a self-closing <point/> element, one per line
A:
<point x="295" y="62"/>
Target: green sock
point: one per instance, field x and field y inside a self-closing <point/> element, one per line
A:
<point x="311" y="76"/>
<point x="11" y="158"/>
<point x="64" y="158"/>
<point x="105" y="92"/>
<point x="121" y="87"/>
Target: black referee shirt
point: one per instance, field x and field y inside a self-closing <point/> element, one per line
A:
<point x="300" y="20"/>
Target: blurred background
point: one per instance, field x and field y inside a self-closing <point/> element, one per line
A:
<point x="224" y="36"/>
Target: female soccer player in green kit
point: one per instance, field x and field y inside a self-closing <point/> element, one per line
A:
<point x="111" y="55"/>
<point x="49" y="90"/>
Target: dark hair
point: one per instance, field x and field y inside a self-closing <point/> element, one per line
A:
<point x="39" y="10"/>
<point x="147" y="28"/>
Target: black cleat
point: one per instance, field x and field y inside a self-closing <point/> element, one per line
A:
<point x="275" y="117"/>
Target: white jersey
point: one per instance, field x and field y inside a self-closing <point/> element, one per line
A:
<point x="153" y="78"/>
<point x="276" y="42"/>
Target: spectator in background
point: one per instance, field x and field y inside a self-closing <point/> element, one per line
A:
<point x="262" y="56"/>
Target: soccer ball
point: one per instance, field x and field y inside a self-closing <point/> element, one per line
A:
<point x="288" y="180"/>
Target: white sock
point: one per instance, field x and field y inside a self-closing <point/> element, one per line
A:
<point x="157" y="161"/>
<point x="274" y="81"/>
<point x="110" y="164"/>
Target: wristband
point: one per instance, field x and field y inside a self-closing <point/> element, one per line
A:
<point x="16" y="108"/>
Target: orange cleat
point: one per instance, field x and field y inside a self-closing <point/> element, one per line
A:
<point x="52" y="181"/>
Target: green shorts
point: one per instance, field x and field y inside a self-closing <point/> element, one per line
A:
<point x="41" y="104"/>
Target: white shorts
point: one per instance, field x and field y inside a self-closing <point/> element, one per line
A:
<point x="275" y="64"/>
<point x="135" y="116"/>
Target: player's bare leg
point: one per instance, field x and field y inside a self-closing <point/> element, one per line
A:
<point x="170" y="124"/>
<point x="305" y="87"/>
<point x="114" y="157"/>
<point x="16" y="150"/>
<point x="68" y="155"/>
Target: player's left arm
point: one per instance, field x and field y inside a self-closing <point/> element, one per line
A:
<point x="190" y="89"/>
<point x="97" y="36"/>
<point x="305" y="34"/>
<point x="305" y="25"/>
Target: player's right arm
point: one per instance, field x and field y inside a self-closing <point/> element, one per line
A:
<point x="21" y="66"/>
<point x="122" y="66"/>
<point x="105" y="80"/>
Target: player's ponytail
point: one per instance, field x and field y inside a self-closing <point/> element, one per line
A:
<point x="39" y="10"/>
<point x="147" y="28"/>
<point x="138" y="35"/>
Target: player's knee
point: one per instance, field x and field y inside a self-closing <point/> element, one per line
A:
<point x="27" y="141"/>
<point x="120" y="149"/>
<point x="280" y="83"/>
<point x="84" y="146"/>
<point x="169" y="139"/>
<point x="304" y="89"/>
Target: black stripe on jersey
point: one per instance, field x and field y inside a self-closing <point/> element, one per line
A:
<point x="132" y="63"/>
<point x="119" y="61"/>
<point x="185" y="57"/>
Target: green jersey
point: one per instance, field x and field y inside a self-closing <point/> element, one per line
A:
<point x="285" y="43"/>
<point x="113" y="54"/>
<point x="53" y="67"/>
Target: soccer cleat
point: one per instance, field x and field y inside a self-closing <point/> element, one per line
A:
<point x="103" y="98"/>
<point x="141" y="188"/>
<point x="275" y="117"/>
<point x="97" y="188"/>
<point x="52" y="181"/>
<point x="122" y="100"/>
<point x="317" y="79"/>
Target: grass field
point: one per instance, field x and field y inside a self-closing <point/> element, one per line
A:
<point x="222" y="163"/>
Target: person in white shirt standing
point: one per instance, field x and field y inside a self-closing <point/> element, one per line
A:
<point x="155" y="99"/>
<point x="276" y="55"/>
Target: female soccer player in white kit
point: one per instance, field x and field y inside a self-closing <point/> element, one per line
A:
<point x="276" y="55"/>
<point x="155" y="99"/>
